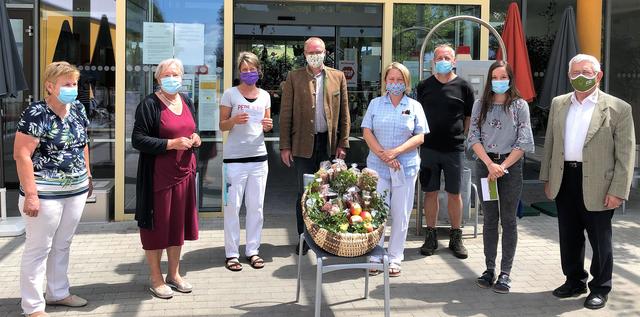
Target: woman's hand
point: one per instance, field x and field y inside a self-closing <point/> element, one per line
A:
<point x="395" y="164"/>
<point x="31" y="205"/>
<point x="495" y="171"/>
<point x="388" y="155"/>
<point x="267" y="124"/>
<point x="195" y="139"/>
<point x="240" y="118"/>
<point x="180" y="143"/>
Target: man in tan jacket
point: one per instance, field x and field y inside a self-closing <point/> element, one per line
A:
<point x="587" y="168"/>
<point x="314" y="118"/>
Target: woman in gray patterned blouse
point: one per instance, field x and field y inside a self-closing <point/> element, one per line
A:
<point x="500" y="134"/>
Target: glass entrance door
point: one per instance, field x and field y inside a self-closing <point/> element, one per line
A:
<point x="276" y="31"/>
<point x="22" y="27"/>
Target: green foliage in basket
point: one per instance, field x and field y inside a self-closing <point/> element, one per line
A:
<point x="343" y="180"/>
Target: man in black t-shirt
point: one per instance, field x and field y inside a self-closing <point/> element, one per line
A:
<point x="447" y="101"/>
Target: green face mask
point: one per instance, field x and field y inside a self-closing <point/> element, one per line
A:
<point x="582" y="83"/>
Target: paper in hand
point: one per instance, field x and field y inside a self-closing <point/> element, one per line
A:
<point x="489" y="189"/>
<point x="397" y="176"/>
<point x="255" y="115"/>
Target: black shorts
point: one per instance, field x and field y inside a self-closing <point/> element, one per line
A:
<point x="433" y="163"/>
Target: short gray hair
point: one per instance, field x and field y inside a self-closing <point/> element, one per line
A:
<point x="445" y="47"/>
<point x="585" y="57"/>
<point x="162" y="66"/>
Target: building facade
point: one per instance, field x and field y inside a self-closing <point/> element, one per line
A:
<point x="117" y="43"/>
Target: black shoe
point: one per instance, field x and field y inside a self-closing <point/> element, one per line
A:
<point x="430" y="242"/>
<point x="569" y="289"/>
<point x="305" y="248"/>
<point x="503" y="284"/>
<point x="455" y="244"/>
<point x="487" y="279"/>
<point x="595" y="301"/>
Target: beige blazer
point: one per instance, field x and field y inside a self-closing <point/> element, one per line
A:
<point x="297" y="111"/>
<point x="608" y="152"/>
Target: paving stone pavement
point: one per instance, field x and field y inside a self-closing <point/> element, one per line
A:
<point x="108" y="269"/>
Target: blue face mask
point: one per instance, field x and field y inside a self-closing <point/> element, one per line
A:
<point x="500" y="86"/>
<point x="67" y="94"/>
<point x="171" y="85"/>
<point x="396" y="89"/>
<point x="443" y="67"/>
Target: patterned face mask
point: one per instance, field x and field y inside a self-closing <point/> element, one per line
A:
<point x="396" y="89"/>
<point x="315" y="60"/>
<point x="583" y="83"/>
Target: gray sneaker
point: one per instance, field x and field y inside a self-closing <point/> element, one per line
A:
<point x="503" y="284"/>
<point x="455" y="244"/>
<point x="430" y="242"/>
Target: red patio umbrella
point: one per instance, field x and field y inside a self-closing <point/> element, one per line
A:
<point x="517" y="56"/>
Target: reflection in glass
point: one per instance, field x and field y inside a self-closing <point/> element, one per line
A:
<point x="139" y="82"/>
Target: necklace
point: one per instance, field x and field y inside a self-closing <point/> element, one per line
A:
<point x="172" y="103"/>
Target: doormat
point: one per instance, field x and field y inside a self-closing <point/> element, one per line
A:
<point x="546" y="207"/>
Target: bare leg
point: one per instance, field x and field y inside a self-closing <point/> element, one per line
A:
<point x="155" y="273"/>
<point x="173" y="253"/>
<point x="454" y="206"/>
<point x="431" y="208"/>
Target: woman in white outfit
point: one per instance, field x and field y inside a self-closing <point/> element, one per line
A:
<point x="394" y="127"/>
<point x="245" y="113"/>
<point x="52" y="159"/>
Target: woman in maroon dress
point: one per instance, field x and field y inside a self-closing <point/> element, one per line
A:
<point x="165" y="134"/>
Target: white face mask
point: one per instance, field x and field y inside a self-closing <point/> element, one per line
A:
<point x="315" y="60"/>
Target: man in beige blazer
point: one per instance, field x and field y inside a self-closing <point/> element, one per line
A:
<point x="314" y="118"/>
<point x="587" y="168"/>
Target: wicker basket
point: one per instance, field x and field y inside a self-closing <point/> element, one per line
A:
<point x="341" y="244"/>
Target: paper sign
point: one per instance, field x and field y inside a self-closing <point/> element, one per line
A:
<point x="371" y="68"/>
<point x="255" y="115"/>
<point x="208" y="113"/>
<point x="188" y="85"/>
<point x="157" y="42"/>
<point x="489" y="189"/>
<point x="350" y="70"/>
<point x="189" y="43"/>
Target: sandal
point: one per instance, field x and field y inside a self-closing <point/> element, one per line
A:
<point x="255" y="261"/>
<point x="374" y="272"/>
<point x="394" y="270"/>
<point x="232" y="264"/>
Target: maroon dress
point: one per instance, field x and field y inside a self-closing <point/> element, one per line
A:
<point x="175" y="216"/>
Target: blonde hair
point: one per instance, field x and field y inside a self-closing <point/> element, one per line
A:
<point x="59" y="69"/>
<point x="250" y="59"/>
<point x="166" y="64"/>
<point x="406" y="75"/>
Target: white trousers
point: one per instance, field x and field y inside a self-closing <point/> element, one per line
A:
<point x="400" y="200"/>
<point x="250" y="180"/>
<point x="46" y="250"/>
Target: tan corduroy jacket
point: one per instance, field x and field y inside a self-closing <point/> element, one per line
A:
<point x="297" y="111"/>
<point x="607" y="156"/>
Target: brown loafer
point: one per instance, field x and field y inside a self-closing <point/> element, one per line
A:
<point x="70" y="301"/>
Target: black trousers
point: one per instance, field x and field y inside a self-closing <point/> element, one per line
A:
<point x="573" y="220"/>
<point x="309" y="166"/>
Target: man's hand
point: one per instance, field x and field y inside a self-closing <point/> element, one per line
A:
<point x="341" y="153"/>
<point x="547" y="191"/>
<point x="31" y="205"/>
<point x="286" y="157"/>
<point x="612" y="202"/>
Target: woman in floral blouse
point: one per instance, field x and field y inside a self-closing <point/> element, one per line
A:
<point x="52" y="158"/>
<point x="500" y="134"/>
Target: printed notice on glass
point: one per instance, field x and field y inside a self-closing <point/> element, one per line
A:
<point x="157" y="42"/>
<point x="189" y="43"/>
<point x="188" y="85"/>
<point x="489" y="189"/>
<point x="208" y="112"/>
<point x="350" y="70"/>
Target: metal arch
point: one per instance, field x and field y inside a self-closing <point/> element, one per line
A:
<point x="457" y="18"/>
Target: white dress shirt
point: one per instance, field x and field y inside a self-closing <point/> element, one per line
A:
<point x="577" y="126"/>
<point x="321" y="119"/>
